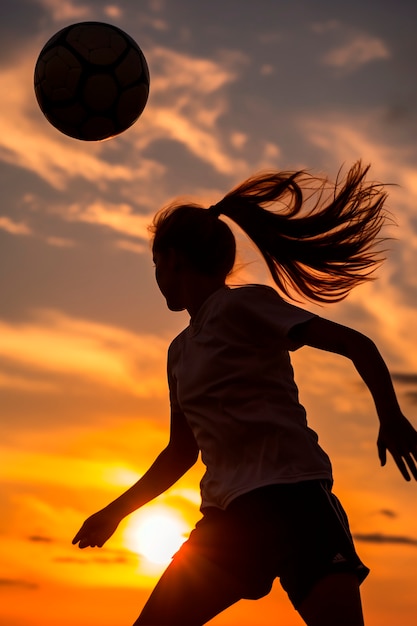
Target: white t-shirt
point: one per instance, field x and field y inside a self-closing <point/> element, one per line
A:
<point x="230" y="374"/>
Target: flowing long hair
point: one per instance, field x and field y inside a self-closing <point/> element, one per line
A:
<point x="318" y="239"/>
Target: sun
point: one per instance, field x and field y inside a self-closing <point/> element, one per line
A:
<point x="156" y="533"/>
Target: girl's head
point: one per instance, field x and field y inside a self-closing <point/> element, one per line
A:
<point x="206" y="243"/>
<point x="318" y="249"/>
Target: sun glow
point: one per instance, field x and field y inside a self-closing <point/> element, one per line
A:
<point x="156" y="534"/>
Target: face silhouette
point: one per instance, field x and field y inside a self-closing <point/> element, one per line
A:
<point x="169" y="274"/>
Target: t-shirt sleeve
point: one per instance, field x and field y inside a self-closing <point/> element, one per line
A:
<point x="264" y="316"/>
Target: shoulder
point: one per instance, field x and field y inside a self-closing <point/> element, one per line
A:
<point x="262" y="299"/>
<point x="233" y="303"/>
<point x="260" y="310"/>
<point x="176" y="344"/>
<point x="251" y="290"/>
<point x="250" y="295"/>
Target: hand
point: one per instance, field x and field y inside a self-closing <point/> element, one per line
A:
<point x="400" y="438"/>
<point x="97" y="529"/>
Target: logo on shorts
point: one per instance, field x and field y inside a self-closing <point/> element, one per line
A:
<point x="338" y="558"/>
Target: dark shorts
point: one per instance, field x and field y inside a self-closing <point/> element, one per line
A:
<point x="298" y="533"/>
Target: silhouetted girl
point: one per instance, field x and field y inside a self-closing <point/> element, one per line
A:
<point x="267" y="504"/>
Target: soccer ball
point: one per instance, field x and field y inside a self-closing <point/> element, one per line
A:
<point x="91" y="81"/>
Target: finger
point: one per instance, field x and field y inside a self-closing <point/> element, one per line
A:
<point x="401" y="466"/>
<point x="411" y="465"/>
<point x="79" y="534"/>
<point x="382" y="453"/>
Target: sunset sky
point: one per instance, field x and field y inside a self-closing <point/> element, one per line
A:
<point x="237" y="86"/>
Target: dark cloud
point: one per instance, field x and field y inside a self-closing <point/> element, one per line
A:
<point x="404" y="378"/>
<point x="407" y="379"/>
<point x="107" y="557"/>
<point x="388" y="513"/>
<point x="18" y="21"/>
<point x="70" y="559"/>
<point x="40" y="539"/>
<point x="412" y="396"/>
<point x="386" y="539"/>
<point x="17" y="582"/>
<point x="101" y="560"/>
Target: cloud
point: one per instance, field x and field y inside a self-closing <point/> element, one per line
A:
<point x="388" y="513"/>
<point x="131" y="246"/>
<point x="404" y="378"/>
<point x="13" y="227"/>
<point x="323" y="28"/>
<point x="22" y="383"/>
<point x="101" y="560"/>
<point x="359" y="51"/>
<point x="39" y="539"/>
<point x="188" y="98"/>
<point x="385" y="539"/>
<point x="113" y="11"/>
<point x="17" y="582"/>
<point x="412" y="396"/>
<point x="56" y="344"/>
<point x="118" y="217"/>
<point x="65" y="10"/>
<point x="60" y="242"/>
<point x="407" y="380"/>
<point x="36" y="468"/>
<point x="345" y="139"/>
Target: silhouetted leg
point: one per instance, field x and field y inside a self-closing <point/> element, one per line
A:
<point x="189" y="596"/>
<point x="334" y="601"/>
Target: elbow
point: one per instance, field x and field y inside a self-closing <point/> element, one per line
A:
<point x="186" y="462"/>
<point x="182" y="457"/>
<point x="191" y="457"/>
<point x="358" y="346"/>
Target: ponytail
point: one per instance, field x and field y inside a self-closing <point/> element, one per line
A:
<point x="318" y="239"/>
<point x="320" y="252"/>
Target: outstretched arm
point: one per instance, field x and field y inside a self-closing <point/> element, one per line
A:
<point x="396" y="434"/>
<point x="180" y="454"/>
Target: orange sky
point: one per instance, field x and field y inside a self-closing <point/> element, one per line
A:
<point x="235" y="88"/>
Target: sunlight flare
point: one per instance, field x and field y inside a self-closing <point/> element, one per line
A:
<point x="156" y="534"/>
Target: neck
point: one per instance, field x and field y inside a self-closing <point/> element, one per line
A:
<point x="199" y="289"/>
